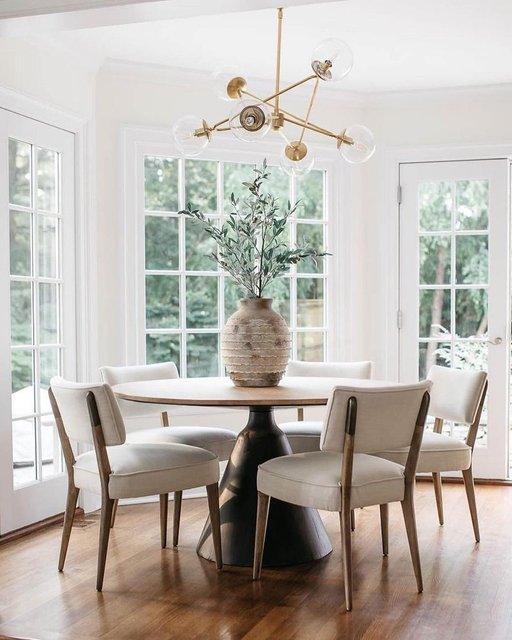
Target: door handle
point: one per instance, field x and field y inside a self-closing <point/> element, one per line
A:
<point x="496" y="341"/>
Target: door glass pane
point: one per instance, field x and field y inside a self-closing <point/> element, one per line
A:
<point x="435" y="206"/>
<point x="431" y="353"/>
<point x="162" y="302"/>
<point x="48" y="243"/>
<point x="201" y="185"/>
<point x="202" y="354"/>
<point x="22" y="382"/>
<point x="20" y="243"/>
<point x="48" y="313"/>
<point x="311" y="235"/>
<point x="160" y="184"/>
<point x="472" y="197"/>
<point x="310" y="346"/>
<point x="198" y="248"/>
<point x="163" y="348"/>
<point x="310" y="302"/>
<point x="202" y="302"/>
<point x="470" y="312"/>
<point x="24" y="451"/>
<point x="50" y="447"/>
<point x="47" y="175"/>
<point x="310" y="193"/>
<point x="435" y="259"/>
<point x="21" y="313"/>
<point x="472" y="259"/>
<point x="434" y="312"/>
<point x="162" y="248"/>
<point x="19" y="173"/>
<point x="49" y="366"/>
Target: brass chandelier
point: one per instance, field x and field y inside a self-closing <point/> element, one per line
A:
<point x="252" y="117"/>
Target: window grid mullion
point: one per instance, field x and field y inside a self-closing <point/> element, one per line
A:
<point x="182" y="269"/>
<point x="221" y="278"/>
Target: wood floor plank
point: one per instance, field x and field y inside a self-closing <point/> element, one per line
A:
<point x="172" y="593"/>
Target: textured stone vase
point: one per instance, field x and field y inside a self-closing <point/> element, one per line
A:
<point x="256" y="344"/>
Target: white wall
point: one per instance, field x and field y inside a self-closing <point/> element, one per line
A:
<point x="37" y="71"/>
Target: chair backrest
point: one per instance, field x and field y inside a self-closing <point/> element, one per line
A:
<point x="71" y="398"/>
<point x="139" y="373"/>
<point x="386" y="416"/>
<point x="361" y="370"/>
<point x="456" y="393"/>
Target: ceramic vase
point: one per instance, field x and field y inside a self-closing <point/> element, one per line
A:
<point x="256" y="344"/>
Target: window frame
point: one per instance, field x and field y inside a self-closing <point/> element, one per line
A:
<point x="138" y="143"/>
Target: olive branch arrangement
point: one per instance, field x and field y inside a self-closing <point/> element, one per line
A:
<point x="251" y="247"/>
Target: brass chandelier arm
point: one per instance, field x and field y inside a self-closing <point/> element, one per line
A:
<point x="285" y="90"/>
<point x="340" y="137"/>
<point x="278" y="58"/>
<point x="310" y="106"/>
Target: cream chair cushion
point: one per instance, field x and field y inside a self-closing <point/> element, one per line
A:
<point x="304" y="435"/>
<point x="456" y="393"/>
<point x="148" y="469"/>
<point x="438" y="453"/>
<point x="218" y="441"/>
<point x="313" y="480"/>
<point x="71" y="398"/>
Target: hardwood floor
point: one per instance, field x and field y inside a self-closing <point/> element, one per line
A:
<point x="172" y="593"/>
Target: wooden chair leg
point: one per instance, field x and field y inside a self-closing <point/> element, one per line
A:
<point x="107" y="507"/>
<point x="346" y="546"/>
<point x="114" y="513"/>
<point x="352" y="520"/>
<point x="164" y="508"/>
<point x="467" y="474"/>
<point x="384" y="527"/>
<point x="261" y="530"/>
<point x="436" y="477"/>
<point x="178" y="495"/>
<point x="412" y="537"/>
<point x="69" y="516"/>
<point x="212" y="491"/>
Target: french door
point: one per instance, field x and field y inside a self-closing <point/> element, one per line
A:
<point x="37" y="339"/>
<point x="454" y="285"/>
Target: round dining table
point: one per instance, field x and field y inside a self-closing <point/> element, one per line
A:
<point x="294" y="534"/>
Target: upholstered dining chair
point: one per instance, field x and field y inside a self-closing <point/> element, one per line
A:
<point x="89" y="413"/>
<point x="304" y="435"/>
<point x="457" y="395"/>
<point x="218" y="440"/>
<point x="342" y="475"/>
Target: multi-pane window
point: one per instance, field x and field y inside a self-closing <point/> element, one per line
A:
<point x="187" y="298"/>
<point x="35" y="219"/>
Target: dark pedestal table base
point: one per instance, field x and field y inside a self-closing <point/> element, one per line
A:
<point x="294" y="534"/>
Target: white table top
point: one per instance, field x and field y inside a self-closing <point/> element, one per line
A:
<point x="215" y="392"/>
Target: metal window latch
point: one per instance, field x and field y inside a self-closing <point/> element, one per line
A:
<point x="496" y="341"/>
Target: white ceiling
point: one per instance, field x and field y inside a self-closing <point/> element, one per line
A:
<point x="397" y="44"/>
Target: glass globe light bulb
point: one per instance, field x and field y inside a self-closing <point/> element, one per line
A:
<point x="222" y="77"/>
<point x="332" y="59"/>
<point x="185" y="136"/>
<point x="250" y="120"/>
<point x="363" y="146"/>
<point x="296" y="168"/>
